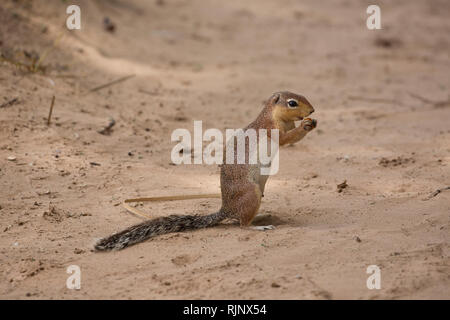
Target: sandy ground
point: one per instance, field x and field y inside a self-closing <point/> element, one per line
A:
<point x="381" y="98"/>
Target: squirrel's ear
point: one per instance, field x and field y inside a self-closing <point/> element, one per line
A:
<point x="275" y="98"/>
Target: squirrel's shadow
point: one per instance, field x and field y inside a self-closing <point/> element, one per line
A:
<point x="260" y="220"/>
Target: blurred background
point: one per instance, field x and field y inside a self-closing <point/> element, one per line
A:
<point x="137" y="70"/>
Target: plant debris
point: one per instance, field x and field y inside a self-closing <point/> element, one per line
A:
<point x="107" y="130"/>
<point x="342" y="186"/>
<point x="390" y="43"/>
<point x="435" y="193"/>
<point x="9" y="103"/>
<point x="385" y="162"/>
<point x="50" y="111"/>
<point x="111" y="83"/>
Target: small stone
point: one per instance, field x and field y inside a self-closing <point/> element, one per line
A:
<point x="275" y="285"/>
<point x="11" y="158"/>
<point x="357" y="239"/>
<point x="78" y="251"/>
<point x="109" y="25"/>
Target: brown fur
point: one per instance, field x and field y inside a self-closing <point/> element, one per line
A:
<point x="242" y="185"/>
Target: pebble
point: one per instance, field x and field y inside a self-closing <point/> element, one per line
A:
<point x="11" y="158"/>
<point x="275" y="285"/>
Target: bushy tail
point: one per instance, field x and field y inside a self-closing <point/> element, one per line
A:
<point x="158" y="226"/>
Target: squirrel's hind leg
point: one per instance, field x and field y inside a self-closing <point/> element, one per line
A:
<point x="249" y="204"/>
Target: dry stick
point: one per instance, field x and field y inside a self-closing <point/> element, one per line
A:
<point x="147" y="92"/>
<point x="421" y="98"/>
<point x="111" y="83"/>
<point x="51" y="110"/>
<point x="436" y="104"/>
<point x="9" y="103"/>
<point x="434" y="194"/>
<point x="136" y="211"/>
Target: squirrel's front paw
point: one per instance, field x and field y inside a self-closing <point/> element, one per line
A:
<point x="308" y="124"/>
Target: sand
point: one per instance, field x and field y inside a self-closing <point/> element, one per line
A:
<point x="382" y="104"/>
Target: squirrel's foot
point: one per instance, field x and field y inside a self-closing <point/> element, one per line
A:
<point x="262" y="228"/>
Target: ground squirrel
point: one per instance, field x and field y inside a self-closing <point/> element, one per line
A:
<point x="242" y="185"/>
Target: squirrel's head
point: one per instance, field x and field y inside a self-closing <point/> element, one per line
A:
<point x="288" y="106"/>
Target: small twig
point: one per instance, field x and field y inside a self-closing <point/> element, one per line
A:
<point x="9" y="103"/>
<point x="111" y="83"/>
<point x="436" y="104"/>
<point x="148" y="92"/>
<point x="421" y="98"/>
<point x="51" y="110"/>
<point x="107" y="130"/>
<point x="434" y="194"/>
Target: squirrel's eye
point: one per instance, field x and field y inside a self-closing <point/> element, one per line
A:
<point x="292" y="103"/>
